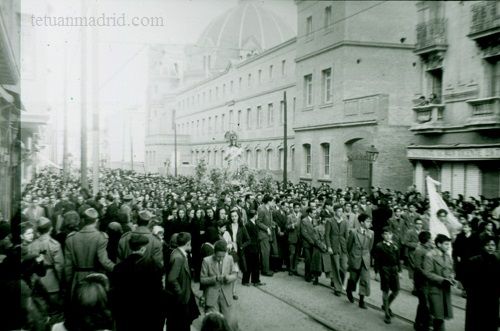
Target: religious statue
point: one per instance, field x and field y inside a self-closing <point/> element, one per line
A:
<point x="234" y="152"/>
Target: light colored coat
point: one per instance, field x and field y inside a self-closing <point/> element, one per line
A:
<point x="437" y="267"/>
<point x="53" y="261"/>
<point x="212" y="288"/>
<point x="359" y="247"/>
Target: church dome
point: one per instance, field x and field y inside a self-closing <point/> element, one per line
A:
<point x="249" y="28"/>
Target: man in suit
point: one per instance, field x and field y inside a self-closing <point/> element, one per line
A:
<point x="359" y="245"/>
<point x="251" y="252"/>
<point x="422" y="317"/>
<point x="309" y="240"/>
<point x="293" y="227"/>
<point x="154" y="248"/>
<point x="336" y="234"/>
<point x="137" y="293"/>
<point x="111" y="214"/>
<point x="182" y="309"/>
<point x="265" y="224"/>
<point x="218" y="272"/>
<point x="438" y="270"/>
<point x="85" y="251"/>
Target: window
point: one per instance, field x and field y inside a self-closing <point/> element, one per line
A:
<point x="309" y="25"/>
<point x="283" y="67"/>
<point x="209" y="124"/>
<point x="249" y="82"/>
<point x="198" y="127"/>
<point x="223" y="90"/>
<point x="222" y="158"/>
<point x="280" y="156"/>
<point x="308" y="90"/>
<point x="260" y="76"/>
<point x="248" y="157"/>
<point x="239" y="120"/>
<point x="270" y="115"/>
<point x="216" y="118"/>
<point x="292" y="158"/>
<point x="240" y="83"/>
<point x="215" y="158"/>
<point x="232" y="86"/>
<point x="222" y="120"/>
<point x="231" y="124"/>
<point x="260" y="120"/>
<point x="216" y="92"/>
<point x="249" y="118"/>
<point x="325" y="148"/>
<point x="269" y="159"/>
<point x="307" y="159"/>
<point x="436" y="84"/>
<point x="328" y="16"/>
<point x="258" y="157"/>
<point x="282" y="112"/>
<point x="203" y="97"/>
<point x="203" y="127"/>
<point x="197" y="156"/>
<point x="326" y="85"/>
<point x="208" y="157"/>
<point x="270" y="72"/>
<point x="210" y="95"/>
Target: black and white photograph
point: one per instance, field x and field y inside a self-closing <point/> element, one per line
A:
<point x="249" y="165"/>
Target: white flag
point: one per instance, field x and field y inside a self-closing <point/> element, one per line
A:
<point x="452" y="226"/>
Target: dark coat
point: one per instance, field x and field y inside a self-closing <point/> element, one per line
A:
<point x="264" y="221"/>
<point x="154" y="248"/>
<point x="242" y="241"/>
<point x="463" y="249"/>
<point x="481" y="281"/>
<point x="85" y="253"/>
<point x="336" y="236"/>
<point x="293" y="228"/>
<point x="110" y="215"/>
<point x="137" y="295"/>
<point x="307" y="234"/>
<point x="253" y="236"/>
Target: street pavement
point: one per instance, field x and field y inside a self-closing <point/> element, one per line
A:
<point x="289" y="303"/>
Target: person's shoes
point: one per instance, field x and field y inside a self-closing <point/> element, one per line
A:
<point x="390" y="311"/>
<point x="268" y="274"/>
<point x="362" y="305"/>
<point x="337" y="293"/>
<point x="245" y="284"/>
<point x="259" y="284"/>
<point x="235" y="297"/>
<point x="387" y="319"/>
<point x="350" y="297"/>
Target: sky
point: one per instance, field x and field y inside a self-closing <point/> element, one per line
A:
<point x="119" y="65"/>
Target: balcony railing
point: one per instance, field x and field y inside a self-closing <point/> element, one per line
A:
<point x="428" y="117"/>
<point x="431" y="35"/>
<point x="485" y="112"/>
<point x="485" y="19"/>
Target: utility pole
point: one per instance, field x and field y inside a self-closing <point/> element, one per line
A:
<point x="175" y="142"/>
<point x="131" y="140"/>
<point x="285" y="143"/>
<point x="83" y="128"/>
<point x="95" y="105"/>
<point x="65" y="117"/>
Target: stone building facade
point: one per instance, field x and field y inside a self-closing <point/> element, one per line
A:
<point x="457" y="136"/>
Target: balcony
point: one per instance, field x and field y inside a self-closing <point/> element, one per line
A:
<point x="431" y="37"/>
<point x="428" y="118"/>
<point x="485" y="113"/>
<point x="485" y="27"/>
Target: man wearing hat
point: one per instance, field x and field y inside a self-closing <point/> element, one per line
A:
<point x="53" y="259"/>
<point x="126" y="212"/>
<point x="137" y="293"/>
<point x="85" y="251"/>
<point x="154" y="248"/>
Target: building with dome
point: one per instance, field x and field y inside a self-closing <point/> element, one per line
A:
<point x="349" y="76"/>
<point x="241" y="32"/>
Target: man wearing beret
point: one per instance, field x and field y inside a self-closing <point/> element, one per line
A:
<point x="85" y="251"/>
<point x="154" y="247"/>
<point x="137" y="294"/>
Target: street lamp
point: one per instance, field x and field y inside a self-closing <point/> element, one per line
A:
<point x="371" y="156"/>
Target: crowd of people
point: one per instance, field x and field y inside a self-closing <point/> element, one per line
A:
<point x="126" y="258"/>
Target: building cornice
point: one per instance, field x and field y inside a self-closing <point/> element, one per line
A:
<point x="241" y="141"/>
<point x="335" y="125"/>
<point x="354" y="43"/>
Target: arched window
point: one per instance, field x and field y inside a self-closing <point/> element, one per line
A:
<point x="269" y="159"/>
<point x="248" y="157"/>
<point x="258" y="159"/>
